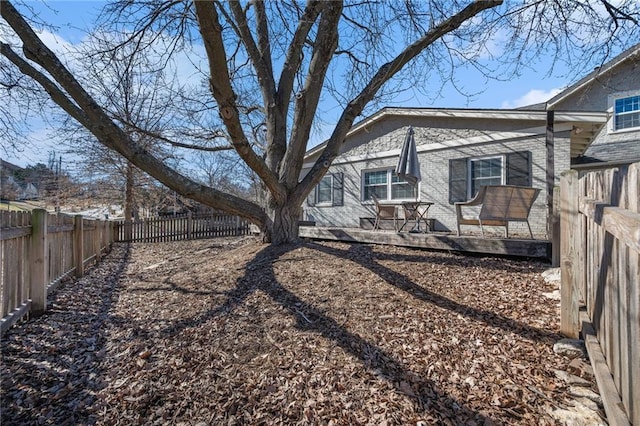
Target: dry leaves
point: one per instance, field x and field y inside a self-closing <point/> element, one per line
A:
<point x="235" y="332"/>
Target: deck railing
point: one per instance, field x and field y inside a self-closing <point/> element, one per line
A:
<point x="183" y="227"/>
<point x="38" y="250"/>
<point x="600" y="261"/>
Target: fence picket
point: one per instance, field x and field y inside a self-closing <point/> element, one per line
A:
<point x="182" y="227"/>
<point x="609" y="207"/>
<point x="37" y="250"/>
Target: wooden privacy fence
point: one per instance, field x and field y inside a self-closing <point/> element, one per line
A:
<point x="600" y="261"/>
<point x="38" y="250"/>
<point x="182" y="227"/>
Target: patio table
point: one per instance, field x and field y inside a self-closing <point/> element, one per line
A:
<point x="416" y="210"/>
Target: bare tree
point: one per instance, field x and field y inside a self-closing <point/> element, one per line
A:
<point x="284" y="57"/>
<point x="137" y="96"/>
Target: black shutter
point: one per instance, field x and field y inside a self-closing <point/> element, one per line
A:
<point x="519" y="168"/>
<point x="457" y="180"/>
<point x="338" y="193"/>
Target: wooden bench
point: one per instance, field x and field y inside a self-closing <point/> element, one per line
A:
<point x="500" y="204"/>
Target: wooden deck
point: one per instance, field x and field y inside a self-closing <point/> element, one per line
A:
<point x="435" y="241"/>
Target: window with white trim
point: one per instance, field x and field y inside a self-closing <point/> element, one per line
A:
<point x="626" y="113"/>
<point x="386" y="185"/>
<point x="468" y="174"/>
<point x="329" y="192"/>
<point x="324" y="193"/>
<point x="485" y="171"/>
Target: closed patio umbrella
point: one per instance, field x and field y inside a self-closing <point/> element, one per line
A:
<point x="408" y="167"/>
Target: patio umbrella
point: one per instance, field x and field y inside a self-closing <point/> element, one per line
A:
<point x="408" y="167"/>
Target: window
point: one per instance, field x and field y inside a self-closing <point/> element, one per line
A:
<point x="626" y="113"/>
<point x="401" y="189"/>
<point x="386" y="185"/>
<point x="329" y="192"/>
<point x="325" y="190"/>
<point x="467" y="175"/>
<point x="485" y="171"/>
<point x="375" y="183"/>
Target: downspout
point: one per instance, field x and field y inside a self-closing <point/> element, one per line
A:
<point x="553" y="222"/>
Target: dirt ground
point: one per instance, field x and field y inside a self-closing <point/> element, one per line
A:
<point x="230" y="331"/>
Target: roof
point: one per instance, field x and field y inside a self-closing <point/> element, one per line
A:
<point x="493" y="114"/>
<point x="535" y="112"/>
<point x="610" y="154"/>
<point x="10" y="167"/>
<point x="607" y="67"/>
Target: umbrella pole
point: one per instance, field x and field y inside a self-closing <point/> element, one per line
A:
<point x="416" y="213"/>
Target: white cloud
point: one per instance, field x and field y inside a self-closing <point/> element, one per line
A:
<point x="533" y="96"/>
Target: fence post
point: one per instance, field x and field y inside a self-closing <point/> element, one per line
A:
<point x="40" y="262"/>
<point x="97" y="239"/>
<point x="189" y="224"/>
<point x="570" y="246"/>
<point x="78" y="245"/>
<point x="105" y="235"/>
<point x="555" y="229"/>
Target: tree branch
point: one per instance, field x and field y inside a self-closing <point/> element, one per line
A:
<point x="617" y="14"/>
<point x="277" y="134"/>
<point x="171" y="142"/>
<point x="260" y="57"/>
<point x="324" y="48"/>
<point x="109" y="134"/>
<point x="386" y="72"/>
<point x="222" y="91"/>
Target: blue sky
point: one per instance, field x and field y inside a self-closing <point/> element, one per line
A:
<point x="534" y="85"/>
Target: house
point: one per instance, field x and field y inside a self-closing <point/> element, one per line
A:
<point x="614" y="88"/>
<point x="462" y="149"/>
<point x="13" y="189"/>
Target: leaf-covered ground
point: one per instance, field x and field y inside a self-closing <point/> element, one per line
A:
<point x="234" y="332"/>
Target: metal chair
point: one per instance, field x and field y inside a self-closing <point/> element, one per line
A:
<point x="384" y="212"/>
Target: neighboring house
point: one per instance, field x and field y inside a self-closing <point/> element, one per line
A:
<point x="10" y="188"/>
<point x="461" y="149"/>
<point x="614" y="88"/>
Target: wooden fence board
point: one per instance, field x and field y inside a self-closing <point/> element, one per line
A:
<point x="33" y="262"/>
<point x="568" y="261"/>
<point x="621" y="223"/>
<point x="631" y="398"/>
<point x="609" y="206"/>
<point x="184" y="227"/>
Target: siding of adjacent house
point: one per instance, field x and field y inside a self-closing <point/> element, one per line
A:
<point x="385" y="139"/>
<point x="594" y="95"/>
<point x="608" y="147"/>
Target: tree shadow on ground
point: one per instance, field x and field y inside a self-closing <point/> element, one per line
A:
<point x="365" y="256"/>
<point x="57" y="356"/>
<point x="260" y="276"/>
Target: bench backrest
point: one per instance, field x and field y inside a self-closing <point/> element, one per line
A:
<point x="507" y="202"/>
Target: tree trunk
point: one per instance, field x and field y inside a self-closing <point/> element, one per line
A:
<point x="283" y="224"/>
